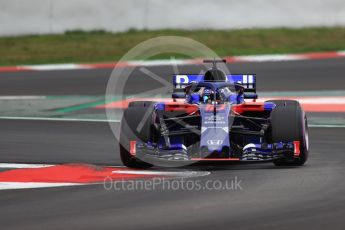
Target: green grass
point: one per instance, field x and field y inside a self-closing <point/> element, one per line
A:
<point x="100" y="46"/>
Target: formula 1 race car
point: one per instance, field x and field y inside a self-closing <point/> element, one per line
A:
<point x="214" y="117"/>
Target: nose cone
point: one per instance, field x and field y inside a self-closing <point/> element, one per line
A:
<point x="215" y="127"/>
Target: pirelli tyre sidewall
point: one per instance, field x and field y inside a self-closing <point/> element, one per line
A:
<point x="288" y="123"/>
<point x="134" y="128"/>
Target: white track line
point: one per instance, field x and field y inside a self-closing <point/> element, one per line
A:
<point x="23" y="166"/>
<point x="28" y="97"/>
<point x="266" y="58"/>
<point x="55" y="67"/>
<point x="26" y="185"/>
<point x="164" y="173"/>
<point x="159" y="62"/>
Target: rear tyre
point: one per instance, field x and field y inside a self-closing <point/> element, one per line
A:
<point x="288" y="124"/>
<point x="136" y="125"/>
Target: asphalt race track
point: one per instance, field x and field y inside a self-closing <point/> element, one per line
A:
<point x="293" y="76"/>
<point x="308" y="197"/>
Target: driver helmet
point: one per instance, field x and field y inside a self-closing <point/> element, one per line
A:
<point x="206" y="95"/>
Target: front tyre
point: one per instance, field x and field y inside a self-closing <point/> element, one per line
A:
<point x="135" y="126"/>
<point x="288" y="124"/>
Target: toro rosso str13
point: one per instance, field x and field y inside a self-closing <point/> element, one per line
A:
<point x="214" y="117"/>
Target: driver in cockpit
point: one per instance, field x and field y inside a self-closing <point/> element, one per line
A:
<point x="207" y="95"/>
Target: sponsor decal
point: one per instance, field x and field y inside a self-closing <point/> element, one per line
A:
<point x="214" y="142"/>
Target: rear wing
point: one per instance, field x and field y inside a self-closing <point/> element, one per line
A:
<point x="248" y="81"/>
